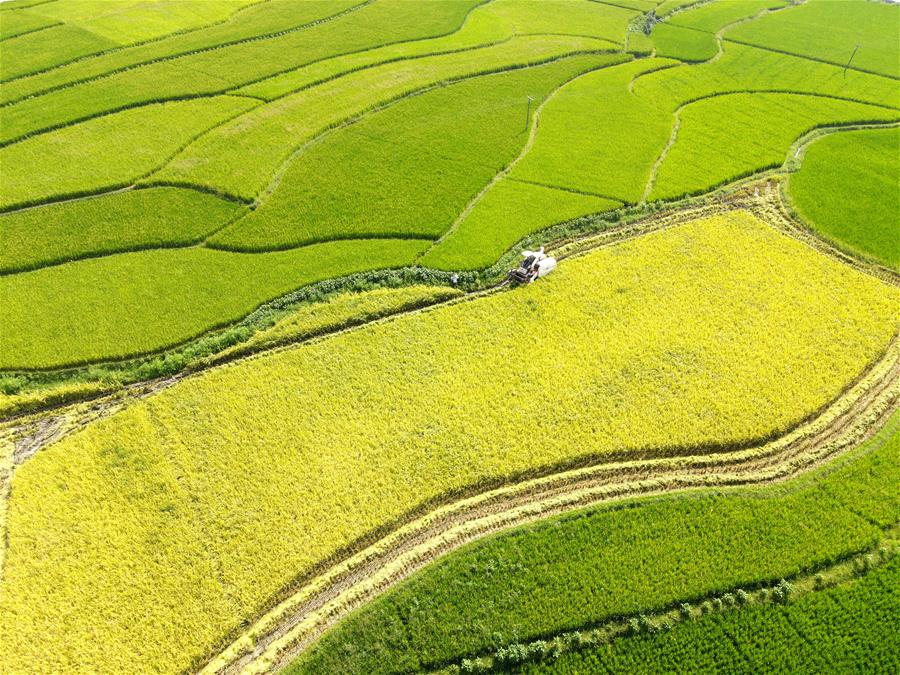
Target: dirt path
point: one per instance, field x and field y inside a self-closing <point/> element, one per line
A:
<point x="321" y="602"/>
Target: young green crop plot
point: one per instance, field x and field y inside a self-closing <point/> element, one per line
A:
<point x="580" y="570"/>
<point x="63" y="316"/>
<point x="218" y="70"/>
<point x="443" y="149"/>
<point x="758" y="128"/>
<point x="195" y="478"/>
<point x="506" y="214"/>
<point x="19" y="23"/>
<point x="269" y="135"/>
<point x="859" y="35"/>
<point x="846" y="189"/>
<point x="747" y="69"/>
<point x="257" y="21"/>
<point x="596" y="137"/>
<point x="108" y="152"/>
<point x="109" y="224"/>
<point x="688" y="45"/>
<point x="845" y="629"/>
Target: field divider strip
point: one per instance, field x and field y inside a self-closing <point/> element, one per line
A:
<point x="534" y="123"/>
<point x="838" y="573"/>
<point x="316" y="137"/>
<point x="169" y="57"/>
<point x="321" y="601"/>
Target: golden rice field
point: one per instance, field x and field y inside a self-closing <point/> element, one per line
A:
<point x="137" y="543"/>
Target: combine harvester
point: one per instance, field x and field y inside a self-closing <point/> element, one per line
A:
<point x="534" y="265"/>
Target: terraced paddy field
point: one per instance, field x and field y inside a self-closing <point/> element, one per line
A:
<point x="269" y="401"/>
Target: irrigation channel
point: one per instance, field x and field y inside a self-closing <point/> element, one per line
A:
<point x="316" y="603"/>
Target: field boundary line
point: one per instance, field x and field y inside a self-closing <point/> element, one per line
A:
<point x="811" y="58"/>
<point x="275" y="181"/>
<point x="562" y="188"/>
<point x="169" y="57"/>
<point x="534" y="123"/>
<point x="322" y="600"/>
<point x="840" y="573"/>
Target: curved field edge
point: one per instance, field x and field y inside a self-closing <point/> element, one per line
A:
<point x="47" y="389"/>
<point x="321" y="602"/>
<point x="310" y="377"/>
<point x="843" y="186"/>
<point x="619" y="640"/>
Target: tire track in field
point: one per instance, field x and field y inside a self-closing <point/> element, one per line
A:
<point x="324" y="600"/>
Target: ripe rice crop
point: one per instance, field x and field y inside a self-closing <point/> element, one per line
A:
<point x="156" y="523"/>
<point x="508" y="212"/>
<point x="830" y="31"/>
<point x="342" y="311"/>
<point x="638" y="557"/>
<point x="846" y="189"/>
<point x="108" y="224"/>
<point x="62" y="315"/>
<point x="757" y="128"/>
<point x="443" y="148"/>
<point x="108" y="152"/>
<point x="850" y="628"/>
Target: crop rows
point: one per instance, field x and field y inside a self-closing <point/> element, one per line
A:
<point x="849" y="628"/>
<point x="244" y="465"/>
<point x="111" y="223"/>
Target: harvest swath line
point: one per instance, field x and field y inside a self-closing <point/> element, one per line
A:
<point x="324" y="600"/>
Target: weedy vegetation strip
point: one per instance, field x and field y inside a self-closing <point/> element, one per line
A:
<point x="848" y="628"/>
<point x="186" y="486"/>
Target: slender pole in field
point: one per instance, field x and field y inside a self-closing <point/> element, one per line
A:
<point x="851" y="58"/>
<point x="528" y="112"/>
